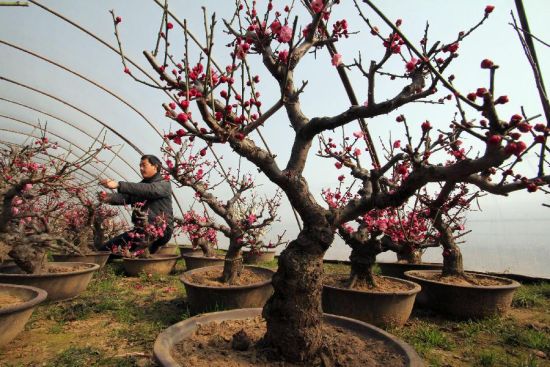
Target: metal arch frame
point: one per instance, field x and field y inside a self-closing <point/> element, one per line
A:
<point x="62" y="138"/>
<point x="139" y="151"/>
<point x="137" y="66"/>
<point x="67" y="123"/>
<point x="105" y="89"/>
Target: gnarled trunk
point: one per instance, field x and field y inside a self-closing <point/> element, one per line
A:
<point x="31" y="259"/>
<point x="233" y="264"/>
<point x="409" y="255"/>
<point x="205" y="246"/>
<point x="362" y="260"/>
<point x="452" y="262"/>
<point x="294" y="313"/>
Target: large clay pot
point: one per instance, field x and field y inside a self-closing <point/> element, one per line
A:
<point x="158" y="264"/>
<point x="466" y="302"/>
<point x="257" y="257"/>
<point x="203" y="298"/>
<point x="169" y="249"/>
<point x="189" y="250"/>
<point x="198" y="261"/>
<point x="60" y="286"/>
<point x="99" y="257"/>
<point x="166" y="341"/>
<point x="384" y="309"/>
<point x="13" y="318"/>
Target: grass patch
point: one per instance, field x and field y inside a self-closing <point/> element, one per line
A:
<point x="529" y="296"/>
<point x="425" y="337"/>
<point x="528" y="338"/>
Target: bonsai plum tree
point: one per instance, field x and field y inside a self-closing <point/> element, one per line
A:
<point x="227" y="109"/>
<point x="246" y="216"/>
<point x="33" y="196"/>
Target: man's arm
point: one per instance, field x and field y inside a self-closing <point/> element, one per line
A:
<point x="153" y="190"/>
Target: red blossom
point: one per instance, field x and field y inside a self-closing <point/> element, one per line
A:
<point x="486" y="64"/>
<point x="502" y="100"/>
<point x="489" y="9"/>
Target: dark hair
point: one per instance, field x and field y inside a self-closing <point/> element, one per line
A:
<point x="153" y="160"/>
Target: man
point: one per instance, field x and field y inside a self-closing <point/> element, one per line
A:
<point x="151" y="200"/>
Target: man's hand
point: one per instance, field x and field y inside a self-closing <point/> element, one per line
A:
<point x="102" y="196"/>
<point x="108" y="183"/>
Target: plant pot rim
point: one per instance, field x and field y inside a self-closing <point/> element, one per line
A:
<point x="172" y="335"/>
<point x="39" y="296"/>
<point x="416" y="288"/>
<point x="416" y="275"/>
<point x="408" y="264"/>
<point x="225" y="287"/>
<point x="94" y="253"/>
<point x="151" y="259"/>
<point x="90" y="268"/>
<point x="201" y="256"/>
<point x="259" y="252"/>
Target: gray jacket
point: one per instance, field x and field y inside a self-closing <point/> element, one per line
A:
<point x="155" y="193"/>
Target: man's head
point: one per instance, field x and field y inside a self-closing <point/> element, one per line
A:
<point x="149" y="166"/>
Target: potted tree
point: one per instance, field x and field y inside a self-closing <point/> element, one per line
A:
<point x="33" y="195"/>
<point x="136" y="256"/>
<point x="202" y="234"/>
<point x="245" y="215"/>
<point x="86" y="224"/>
<point x="229" y="114"/>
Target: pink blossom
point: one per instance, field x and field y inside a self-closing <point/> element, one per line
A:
<point x="411" y="64"/>
<point x="285" y="34"/>
<point x="357" y="152"/>
<point x="317" y="5"/>
<point x="336" y="59"/>
<point x="397" y="144"/>
<point x="358" y="134"/>
<point x="251" y="219"/>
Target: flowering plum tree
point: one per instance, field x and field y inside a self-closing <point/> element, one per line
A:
<point x="246" y="216"/>
<point x="33" y="197"/>
<point x="227" y="109"/>
<point x="87" y="223"/>
<point x="200" y="233"/>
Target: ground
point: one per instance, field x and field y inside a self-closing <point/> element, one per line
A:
<point x="115" y="322"/>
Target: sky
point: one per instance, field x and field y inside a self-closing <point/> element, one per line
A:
<point x="515" y="225"/>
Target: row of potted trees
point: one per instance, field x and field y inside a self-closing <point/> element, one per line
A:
<point x="222" y="105"/>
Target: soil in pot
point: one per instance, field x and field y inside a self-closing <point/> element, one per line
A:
<point x="468" y="279"/>
<point x="211" y="344"/>
<point x="212" y="278"/>
<point x="387" y="304"/>
<point x="7" y="300"/>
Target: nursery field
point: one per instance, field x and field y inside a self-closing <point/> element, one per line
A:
<point x="115" y="323"/>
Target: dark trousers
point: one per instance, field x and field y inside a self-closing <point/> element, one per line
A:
<point x="124" y="240"/>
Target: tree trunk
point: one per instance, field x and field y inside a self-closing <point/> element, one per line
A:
<point x="452" y="262"/>
<point x="410" y="255"/>
<point x="205" y="246"/>
<point x="362" y="260"/>
<point x="293" y="314"/>
<point x="233" y="264"/>
<point x="31" y="259"/>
